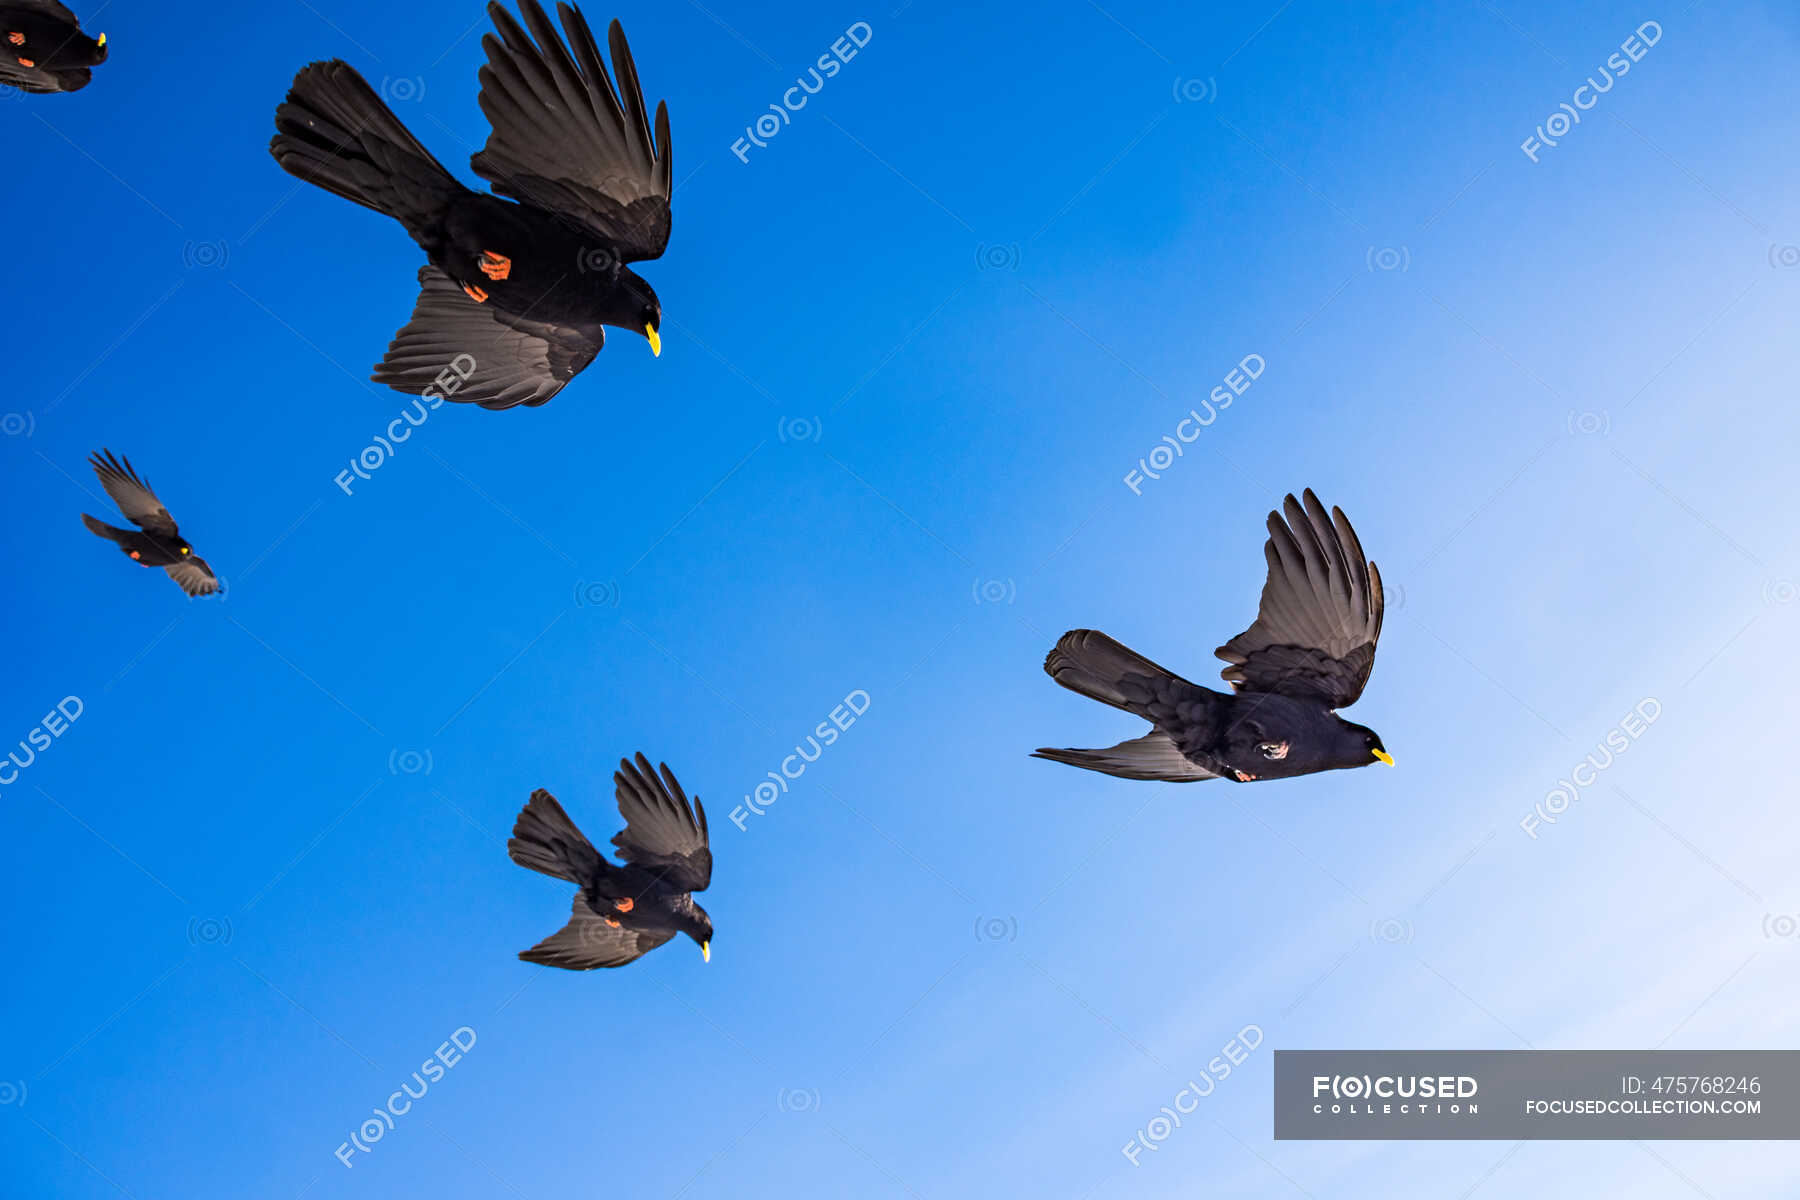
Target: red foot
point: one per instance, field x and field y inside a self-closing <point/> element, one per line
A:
<point x="495" y="266"/>
<point x="17" y="39"/>
<point x="475" y="293"/>
<point x="1244" y="777"/>
<point x="26" y="62"/>
<point x="614" y="924"/>
<point x="625" y="905"/>
<point x="134" y="555"/>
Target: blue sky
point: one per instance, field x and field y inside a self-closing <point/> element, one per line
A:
<point x="913" y="347"/>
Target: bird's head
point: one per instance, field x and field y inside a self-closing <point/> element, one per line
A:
<point x="1361" y="745"/>
<point x="83" y="51"/>
<point x="635" y="307"/>
<point x="698" y="926"/>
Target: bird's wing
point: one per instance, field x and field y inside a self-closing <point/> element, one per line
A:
<point x="131" y="494"/>
<point x="1320" y="616"/>
<point x="194" y="576"/>
<point x="464" y="351"/>
<point x="49" y="8"/>
<point x="564" y="139"/>
<point x="1153" y="756"/>
<point x="661" y="832"/>
<point x="587" y="941"/>
<point x="38" y="81"/>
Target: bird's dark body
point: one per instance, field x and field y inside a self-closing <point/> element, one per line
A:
<point x="621" y="911"/>
<point x="523" y="281"/>
<point x="1245" y="737"/>
<point x="655" y="907"/>
<point x="48" y="37"/>
<point x="560" y="273"/>
<point x="1308" y="654"/>
<point x="142" y="548"/>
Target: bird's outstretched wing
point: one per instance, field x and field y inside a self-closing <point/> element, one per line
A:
<point x="587" y="941"/>
<point x="661" y="831"/>
<point x="564" y="139"/>
<point x="49" y="8"/>
<point x="193" y="576"/>
<point x="131" y="494"/>
<point x="508" y="360"/>
<point x="1321" y="610"/>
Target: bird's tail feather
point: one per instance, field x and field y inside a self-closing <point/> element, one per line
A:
<point x="335" y="132"/>
<point x="1153" y="756"/>
<point x="102" y="529"/>
<point x="1089" y="662"/>
<point x="544" y="839"/>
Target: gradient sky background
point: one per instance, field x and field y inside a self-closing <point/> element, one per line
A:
<point x="991" y="265"/>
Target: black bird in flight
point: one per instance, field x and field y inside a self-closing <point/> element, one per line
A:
<point x="42" y="48"/>
<point x="523" y="289"/>
<point x="1309" y="653"/>
<point x="621" y="913"/>
<point x="159" y="544"/>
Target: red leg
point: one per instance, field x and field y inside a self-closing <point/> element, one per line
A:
<point x="495" y="266"/>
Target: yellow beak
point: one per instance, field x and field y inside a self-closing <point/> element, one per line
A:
<point x="705" y="951"/>
<point x="655" y="340"/>
<point x="1385" y="757"/>
<point x="101" y="40"/>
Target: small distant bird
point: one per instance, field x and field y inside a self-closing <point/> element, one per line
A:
<point x="621" y="913"/>
<point x="1309" y="653"/>
<point x="42" y="48"/>
<point x="523" y="289"/>
<point x="160" y="544"/>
